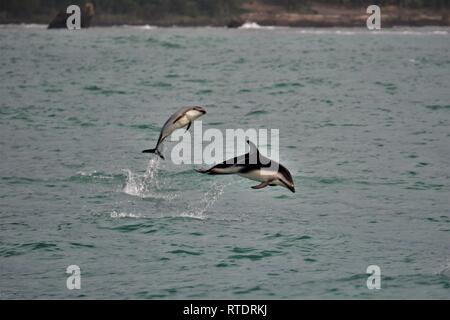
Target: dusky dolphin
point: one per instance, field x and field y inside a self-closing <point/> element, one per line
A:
<point x="179" y="119"/>
<point x="253" y="165"/>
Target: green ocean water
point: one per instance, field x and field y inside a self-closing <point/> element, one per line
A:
<point x="364" y="129"/>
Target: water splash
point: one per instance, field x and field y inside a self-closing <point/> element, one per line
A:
<point x="444" y="270"/>
<point x="146" y="185"/>
<point x="209" y="198"/>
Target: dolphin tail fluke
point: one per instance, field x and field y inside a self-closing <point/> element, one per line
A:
<point x="155" y="151"/>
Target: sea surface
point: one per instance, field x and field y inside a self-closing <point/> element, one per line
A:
<point x="363" y="121"/>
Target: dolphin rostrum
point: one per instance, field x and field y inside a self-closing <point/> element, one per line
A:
<point x="255" y="166"/>
<point x="180" y="119"/>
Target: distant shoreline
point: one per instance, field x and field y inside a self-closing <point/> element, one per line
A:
<point x="245" y="26"/>
<point x="321" y="16"/>
<point x="301" y="24"/>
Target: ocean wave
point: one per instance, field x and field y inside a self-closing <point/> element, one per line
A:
<point x="24" y="25"/>
<point x="141" y="27"/>
<point x="364" y="31"/>
<point x="95" y="176"/>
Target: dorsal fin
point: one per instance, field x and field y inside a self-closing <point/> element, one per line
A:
<point x="253" y="147"/>
<point x="252" y="157"/>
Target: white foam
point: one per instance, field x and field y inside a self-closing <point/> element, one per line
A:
<point x="116" y="214"/>
<point x="254" y="25"/>
<point x="35" y="26"/>
<point x="24" y="25"/>
<point x="364" y="31"/>
<point x="439" y="32"/>
<point x="142" y="27"/>
<point x="445" y="269"/>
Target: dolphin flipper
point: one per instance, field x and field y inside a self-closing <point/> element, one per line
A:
<point x="202" y="170"/>
<point x="262" y="185"/>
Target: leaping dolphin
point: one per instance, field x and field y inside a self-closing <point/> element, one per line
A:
<point x="255" y="166"/>
<point x="180" y="119"/>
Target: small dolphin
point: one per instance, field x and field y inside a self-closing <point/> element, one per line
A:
<point x="255" y="166"/>
<point x="180" y="119"/>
